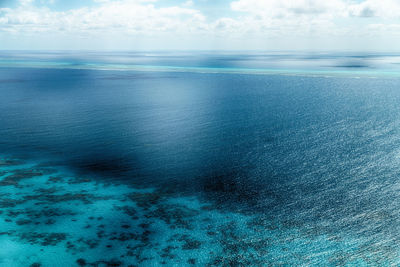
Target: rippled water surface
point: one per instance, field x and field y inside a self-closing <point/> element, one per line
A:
<point x="175" y="159"/>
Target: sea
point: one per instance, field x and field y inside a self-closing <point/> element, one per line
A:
<point x="199" y="158"/>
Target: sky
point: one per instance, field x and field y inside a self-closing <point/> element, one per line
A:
<point x="370" y="25"/>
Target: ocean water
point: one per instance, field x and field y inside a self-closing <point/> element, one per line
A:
<point x="199" y="159"/>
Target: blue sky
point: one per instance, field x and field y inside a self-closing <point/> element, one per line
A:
<point x="200" y="24"/>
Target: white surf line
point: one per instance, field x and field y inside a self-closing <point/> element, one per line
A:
<point x="207" y="70"/>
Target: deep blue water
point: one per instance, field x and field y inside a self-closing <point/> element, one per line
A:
<point x="304" y="150"/>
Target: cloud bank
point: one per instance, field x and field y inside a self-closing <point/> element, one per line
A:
<point x="266" y="23"/>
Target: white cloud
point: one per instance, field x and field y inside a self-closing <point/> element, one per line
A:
<point x="289" y="17"/>
<point x="26" y="2"/>
<point x="188" y="3"/>
<point x="376" y="8"/>
<point x="287" y="8"/>
<point x="312" y="8"/>
<point x="313" y="17"/>
<point x="128" y="16"/>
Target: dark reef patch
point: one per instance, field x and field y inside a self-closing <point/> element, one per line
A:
<point x="81" y="262"/>
<point x="189" y="242"/>
<point x="167" y="252"/>
<point x="23" y="222"/>
<point x="145" y="200"/>
<point x="106" y="263"/>
<point x="21" y="174"/>
<point x="236" y="191"/>
<point x="176" y="216"/>
<point x="128" y="210"/>
<point x="85" y="198"/>
<point x="10" y="162"/>
<point x="9" y="202"/>
<point x="43" y="239"/>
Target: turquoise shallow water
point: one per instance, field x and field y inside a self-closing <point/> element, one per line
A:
<point x="51" y="217"/>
